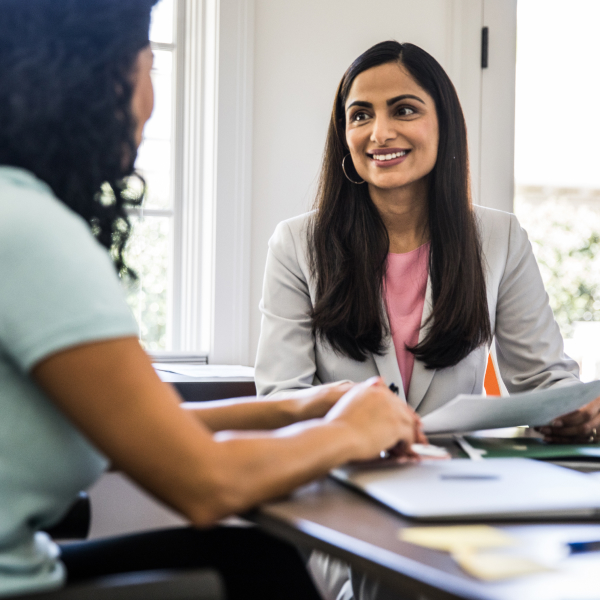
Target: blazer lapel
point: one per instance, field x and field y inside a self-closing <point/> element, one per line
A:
<point x="421" y="377"/>
<point x="387" y="365"/>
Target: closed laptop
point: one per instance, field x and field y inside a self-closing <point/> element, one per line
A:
<point x="462" y="489"/>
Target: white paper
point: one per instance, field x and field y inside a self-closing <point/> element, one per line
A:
<point x="206" y="370"/>
<point x="470" y="413"/>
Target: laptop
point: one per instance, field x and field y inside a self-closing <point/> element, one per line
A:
<point x="462" y="489"/>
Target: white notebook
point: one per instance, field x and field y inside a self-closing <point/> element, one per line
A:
<point x="462" y="489"/>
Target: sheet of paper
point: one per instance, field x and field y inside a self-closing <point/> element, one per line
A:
<point x="493" y="566"/>
<point x="455" y="538"/>
<point x="470" y="413"/>
<point x="206" y="370"/>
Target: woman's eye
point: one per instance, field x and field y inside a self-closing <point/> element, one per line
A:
<point x="359" y="116"/>
<point x="406" y="111"/>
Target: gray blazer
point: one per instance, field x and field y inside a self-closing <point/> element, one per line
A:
<point x="528" y="341"/>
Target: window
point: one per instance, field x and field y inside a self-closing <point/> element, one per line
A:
<point x="150" y="250"/>
<point x="556" y="163"/>
<point x="192" y="252"/>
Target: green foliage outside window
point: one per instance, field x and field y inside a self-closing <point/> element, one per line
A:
<point x="148" y="254"/>
<point x="565" y="235"/>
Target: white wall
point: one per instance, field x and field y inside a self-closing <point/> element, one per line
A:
<point x="301" y="50"/>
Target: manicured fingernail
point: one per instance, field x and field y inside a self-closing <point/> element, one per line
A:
<point x="557" y="423"/>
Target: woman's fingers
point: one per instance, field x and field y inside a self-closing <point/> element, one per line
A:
<point x="588" y="431"/>
<point x="582" y="424"/>
<point x="420" y="437"/>
<point x="574" y="418"/>
<point x="378" y="418"/>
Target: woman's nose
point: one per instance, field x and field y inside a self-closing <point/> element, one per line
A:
<point x="383" y="130"/>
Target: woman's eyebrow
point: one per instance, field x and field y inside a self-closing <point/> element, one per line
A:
<point x="389" y="102"/>
<point x="404" y="97"/>
<point x="359" y="103"/>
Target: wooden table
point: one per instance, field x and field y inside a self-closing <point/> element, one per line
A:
<point x="330" y="517"/>
<point x="327" y="516"/>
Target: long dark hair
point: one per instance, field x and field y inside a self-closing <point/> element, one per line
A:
<point x="349" y="243"/>
<point x="66" y="70"/>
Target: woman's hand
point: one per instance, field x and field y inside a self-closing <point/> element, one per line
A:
<point x="378" y="419"/>
<point x="579" y="426"/>
<point x="316" y="402"/>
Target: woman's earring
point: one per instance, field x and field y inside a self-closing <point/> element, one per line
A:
<point x="346" y="174"/>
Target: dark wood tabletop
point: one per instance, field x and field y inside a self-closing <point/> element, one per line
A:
<point x="330" y="517"/>
<point x="327" y="516"/>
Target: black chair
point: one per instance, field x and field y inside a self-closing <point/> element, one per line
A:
<point x="75" y="525"/>
<point x="143" y="585"/>
<point x="201" y="584"/>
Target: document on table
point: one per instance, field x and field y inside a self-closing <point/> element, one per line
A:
<point x="470" y="413"/>
<point x="206" y="370"/>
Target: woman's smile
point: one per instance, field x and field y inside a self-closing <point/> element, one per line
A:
<point x="387" y="157"/>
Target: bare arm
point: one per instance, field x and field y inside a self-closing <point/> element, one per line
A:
<point x="264" y="413"/>
<point x="112" y="394"/>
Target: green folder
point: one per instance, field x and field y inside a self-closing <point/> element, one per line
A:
<point x="532" y="448"/>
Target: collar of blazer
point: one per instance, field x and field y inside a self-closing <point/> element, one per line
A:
<point x="387" y="363"/>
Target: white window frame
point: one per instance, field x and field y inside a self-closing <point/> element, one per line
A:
<point x="210" y="280"/>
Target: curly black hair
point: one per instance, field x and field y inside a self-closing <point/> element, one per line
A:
<point x="66" y="87"/>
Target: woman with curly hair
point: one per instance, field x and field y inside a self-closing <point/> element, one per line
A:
<point x="76" y="389"/>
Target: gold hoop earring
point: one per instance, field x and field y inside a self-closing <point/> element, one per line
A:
<point x="346" y="174"/>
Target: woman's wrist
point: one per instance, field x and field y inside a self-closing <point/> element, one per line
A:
<point x="315" y="405"/>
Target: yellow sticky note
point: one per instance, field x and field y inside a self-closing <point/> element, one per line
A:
<point x="490" y="566"/>
<point x="457" y="537"/>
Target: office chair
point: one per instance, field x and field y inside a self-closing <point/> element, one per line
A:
<point x="144" y="585"/>
<point x="201" y="584"/>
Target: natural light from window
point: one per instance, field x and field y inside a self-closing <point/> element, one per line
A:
<point x="151" y="247"/>
<point x="557" y="158"/>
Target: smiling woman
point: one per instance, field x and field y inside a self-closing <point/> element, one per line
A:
<point x="395" y="273"/>
<point x="397" y="100"/>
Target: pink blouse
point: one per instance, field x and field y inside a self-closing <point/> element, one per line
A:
<point x="404" y="289"/>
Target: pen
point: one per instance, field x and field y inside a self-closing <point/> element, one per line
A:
<point x="394" y="389"/>
<point x="578" y="547"/>
<point x="423" y="450"/>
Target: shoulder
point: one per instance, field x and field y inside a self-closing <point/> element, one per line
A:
<point x="497" y="227"/>
<point x="33" y="220"/>
<point x="60" y="287"/>
<point x="288" y="248"/>
<point x="292" y="230"/>
<point x="489" y="218"/>
<point x="290" y="238"/>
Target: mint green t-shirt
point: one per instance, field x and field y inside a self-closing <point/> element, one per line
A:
<point x="58" y="288"/>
